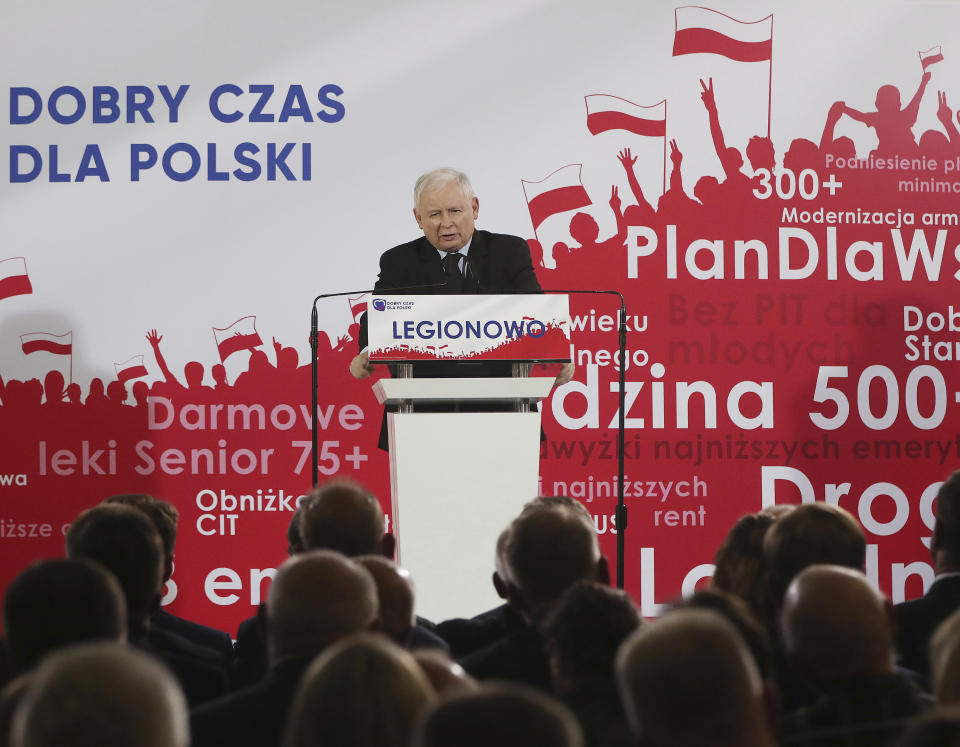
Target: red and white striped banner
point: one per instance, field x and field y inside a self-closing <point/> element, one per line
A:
<point x="14" y="280"/>
<point x="132" y="368"/>
<point x="701" y="30"/>
<point x="241" y="335"/>
<point x="559" y="192"/>
<point x="34" y="342"/>
<point x="614" y="113"/>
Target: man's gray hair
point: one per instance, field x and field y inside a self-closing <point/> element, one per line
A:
<point x="438" y="179"/>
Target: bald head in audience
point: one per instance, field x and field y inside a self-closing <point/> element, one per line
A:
<point x="536" y="574"/>
<point x="395" y="597"/>
<point x="812" y="533"/>
<point x="688" y="679"/>
<point x="54" y="603"/>
<point x="835" y="624"/>
<point x="101" y="695"/>
<point x="317" y="598"/>
<point x="345" y="517"/>
<point x="501" y="715"/>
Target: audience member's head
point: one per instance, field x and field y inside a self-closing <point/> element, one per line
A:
<point x="164" y="517"/>
<point x="345" y="517"/>
<point x="945" y="661"/>
<point x="583" y="633"/>
<point x="395" y="597"/>
<point x="101" y="695"/>
<point x="738" y="613"/>
<point x="835" y="624"/>
<point x="810" y="534"/>
<point x="501" y="715"/>
<point x="317" y="598"/>
<point x="363" y="692"/>
<point x="125" y="542"/>
<point x="445" y="675"/>
<point x="688" y="679"/>
<point x="55" y="603"/>
<point x="538" y="572"/>
<point x="739" y="566"/>
<point x="945" y="546"/>
<point x="294" y="540"/>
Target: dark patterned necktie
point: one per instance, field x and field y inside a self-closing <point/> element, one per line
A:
<point x="451" y="266"/>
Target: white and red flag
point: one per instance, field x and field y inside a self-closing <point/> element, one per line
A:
<point x="931" y="56"/>
<point x="557" y="193"/>
<point x="132" y="368"/>
<point x="614" y="113"/>
<point x="241" y="335"/>
<point x="358" y="304"/>
<point x="701" y="30"/>
<point x="33" y="342"/>
<point x="14" y="280"/>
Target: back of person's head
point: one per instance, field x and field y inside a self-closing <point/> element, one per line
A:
<point x="811" y="534"/>
<point x="546" y="552"/>
<point x="294" y="540"/>
<point x="445" y="675"/>
<point x="835" y="624"/>
<point x="317" y="598"/>
<point x="395" y="597"/>
<point x="737" y="612"/>
<point x="164" y="515"/>
<point x="946" y="529"/>
<point x="502" y="715"/>
<point x="101" y="695"/>
<point x="342" y="516"/>
<point x="125" y="542"/>
<point x="55" y="603"/>
<point x="689" y="679"/>
<point x="945" y="661"/>
<point x="364" y="691"/>
<point x="584" y="631"/>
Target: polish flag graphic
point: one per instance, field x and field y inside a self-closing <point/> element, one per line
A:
<point x="557" y="193"/>
<point x="33" y="342"/>
<point x="614" y="113"/>
<point x="704" y="31"/>
<point x="241" y="335"/>
<point x="14" y="280"/>
<point x="358" y="304"/>
<point x="931" y="56"/>
<point x="130" y="369"/>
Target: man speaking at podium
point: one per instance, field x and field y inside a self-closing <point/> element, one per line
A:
<point x="451" y="256"/>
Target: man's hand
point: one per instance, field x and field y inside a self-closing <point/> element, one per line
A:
<point x="615" y="199"/>
<point x="360" y="366"/>
<point x="566" y="373"/>
<point x="626" y="159"/>
<point x="943" y="111"/>
<point x="153" y="338"/>
<point x="676" y="157"/>
<point x="706" y="94"/>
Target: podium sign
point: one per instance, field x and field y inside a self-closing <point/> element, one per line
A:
<point x="511" y="327"/>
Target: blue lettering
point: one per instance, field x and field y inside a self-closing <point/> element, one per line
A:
<point x="142" y="106"/>
<point x="106" y="110"/>
<point x="191" y="153"/>
<point x="424" y="335"/>
<point x="453" y="324"/>
<point x="174" y="100"/>
<point x="279" y="161"/>
<point x="396" y="332"/>
<point x="15" y="116"/>
<point x="496" y="325"/>
<point x="295" y="105"/>
<point x="240" y="153"/>
<point x="212" y="174"/>
<point x="540" y="325"/>
<point x="55" y="174"/>
<point x="514" y="329"/>
<point x="266" y="91"/>
<point x="53" y="104"/>
<point x="408" y="330"/>
<point x="324" y="94"/>
<point x="307" y="162"/>
<point x="24" y="150"/>
<point x="473" y="329"/>
<point x="215" y="109"/>
<point x="91" y="164"/>
<point x="142" y="156"/>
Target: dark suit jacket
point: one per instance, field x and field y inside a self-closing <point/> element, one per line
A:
<point x="497" y="263"/>
<point x="918" y="618"/>
<point x="202" y="635"/>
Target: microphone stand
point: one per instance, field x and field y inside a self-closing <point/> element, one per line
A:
<point x="621" y="512"/>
